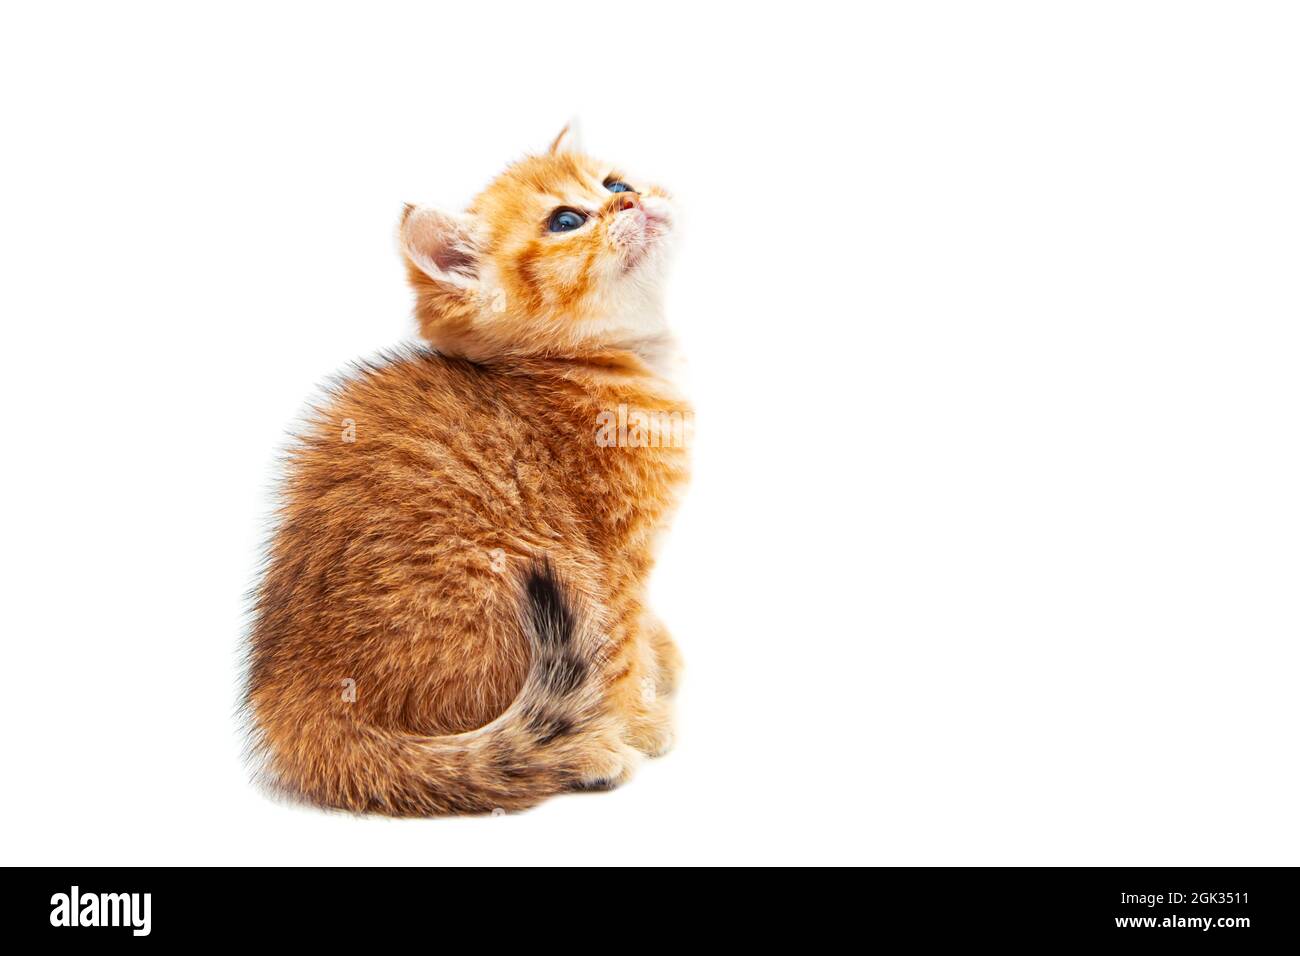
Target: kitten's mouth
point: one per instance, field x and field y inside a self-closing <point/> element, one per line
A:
<point x="658" y="217"/>
<point x="637" y="230"/>
<point x="657" y="224"/>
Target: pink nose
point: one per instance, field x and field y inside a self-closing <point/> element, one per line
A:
<point x="627" y="201"/>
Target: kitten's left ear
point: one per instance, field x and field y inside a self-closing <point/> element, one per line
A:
<point x="444" y="246"/>
<point x="569" y="140"/>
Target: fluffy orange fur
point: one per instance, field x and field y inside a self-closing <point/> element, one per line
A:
<point x="452" y="613"/>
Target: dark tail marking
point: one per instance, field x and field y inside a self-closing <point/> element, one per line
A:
<point x="548" y="608"/>
<point x="560" y="664"/>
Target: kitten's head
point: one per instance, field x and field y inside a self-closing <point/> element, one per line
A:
<point x="561" y="255"/>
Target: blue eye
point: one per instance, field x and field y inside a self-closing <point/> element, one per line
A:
<point x="614" y="186"/>
<point x="564" y="220"/>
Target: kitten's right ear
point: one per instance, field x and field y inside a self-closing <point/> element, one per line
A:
<point x="444" y="246"/>
<point x="569" y="140"/>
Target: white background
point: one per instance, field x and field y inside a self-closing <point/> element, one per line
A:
<point x="993" y="546"/>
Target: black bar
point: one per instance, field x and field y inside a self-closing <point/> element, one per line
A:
<point x="1222" y="907"/>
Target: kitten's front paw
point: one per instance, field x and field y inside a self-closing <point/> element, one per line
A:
<point x="652" y="734"/>
<point x="608" y="768"/>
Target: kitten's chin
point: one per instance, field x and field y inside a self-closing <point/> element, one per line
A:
<point x="651" y="247"/>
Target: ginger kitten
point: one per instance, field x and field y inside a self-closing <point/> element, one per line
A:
<point x="452" y="614"/>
